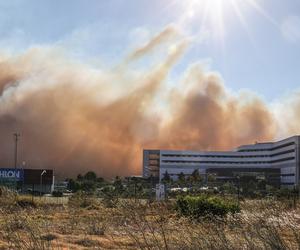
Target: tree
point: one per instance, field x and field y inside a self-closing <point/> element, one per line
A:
<point x="118" y="184"/>
<point x="181" y="178"/>
<point x="166" y="177"/>
<point x="261" y="184"/>
<point x="189" y="179"/>
<point x="229" y="187"/>
<point x="79" y="177"/>
<point x="248" y="185"/>
<point x="88" y="186"/>
<point x="195" y="176"/>
<point x="90" y="176"/>
<point x="74" y="186"/>
<point x="211" y="178"/>
<point x="100" y="180"/>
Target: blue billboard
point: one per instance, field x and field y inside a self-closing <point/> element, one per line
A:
<point x="11" y="174"/>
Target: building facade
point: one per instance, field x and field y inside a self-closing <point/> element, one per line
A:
<point x="28" y="180"/>
<point x="275" y="159"/>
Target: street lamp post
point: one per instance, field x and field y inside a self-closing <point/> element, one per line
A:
<point x="16" y="135"/>
<point x="41" y="181"/>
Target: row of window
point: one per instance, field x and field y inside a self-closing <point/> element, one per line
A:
<point x="230" y="156"/>
<point x="153" y="162"/>
<point x="153" y="157"/>
<point x="215" y="156"/>
<point x="283" y="175"/>
<point x="230" y="162"/>
<point x="269" y="149"/>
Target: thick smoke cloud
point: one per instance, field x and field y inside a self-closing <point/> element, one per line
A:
<point x="210" y="118"/>
<point x="74" y="117"/>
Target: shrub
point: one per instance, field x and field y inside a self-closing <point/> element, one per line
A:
<point x="49" y="237"/>
<point x="57" y="193"/>
<point x="26" y="202"/>
<point x="200" y="206"/>
<point x="286" y="193"/>
<point x="82" y="200"/>
<point x="87" y="242"/>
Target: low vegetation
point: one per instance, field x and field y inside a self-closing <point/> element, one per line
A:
<point x="200" y="206"/>
<point x="203" y="222"/>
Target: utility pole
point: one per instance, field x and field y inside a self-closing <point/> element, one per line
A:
<point x="16" y="135"/>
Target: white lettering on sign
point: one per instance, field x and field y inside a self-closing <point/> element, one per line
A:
<point x="9" y="174"/>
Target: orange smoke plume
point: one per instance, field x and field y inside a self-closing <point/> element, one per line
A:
<point x="74" y="118"/>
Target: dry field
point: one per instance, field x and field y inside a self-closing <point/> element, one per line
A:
<point x="87" y="223"/>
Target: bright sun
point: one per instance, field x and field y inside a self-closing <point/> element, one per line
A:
<point x="212" y="15"/>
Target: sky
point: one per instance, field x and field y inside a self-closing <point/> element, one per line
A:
<point x="110" y="78"/>
<point x="255" y="50"/>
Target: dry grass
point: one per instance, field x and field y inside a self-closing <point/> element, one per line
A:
<point x="262" y="224"/>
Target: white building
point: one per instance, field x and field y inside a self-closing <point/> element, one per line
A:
<point x="279" y="158"/>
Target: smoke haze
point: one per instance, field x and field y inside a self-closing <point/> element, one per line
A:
<point x="74" y="117"/>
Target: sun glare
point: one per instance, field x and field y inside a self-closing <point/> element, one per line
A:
<point x="212" y="15"/>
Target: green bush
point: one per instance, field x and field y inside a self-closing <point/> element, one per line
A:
<point x="200" y="206"/>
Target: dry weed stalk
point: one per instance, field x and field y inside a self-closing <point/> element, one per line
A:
<point x="129" y="224"/>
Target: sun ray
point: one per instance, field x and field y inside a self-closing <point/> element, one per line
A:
<point x="200" y="16"/>
<point x="219" y="20"/>
<point x="261" y="11"/>
<point x="242" y="20"/>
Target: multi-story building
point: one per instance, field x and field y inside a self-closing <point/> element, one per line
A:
<point x="279" y="159"/>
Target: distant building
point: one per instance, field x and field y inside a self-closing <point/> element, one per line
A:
<point x="274" y="160"/>
<point x="61" y="186"/>
<point x="28" y="180"/>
